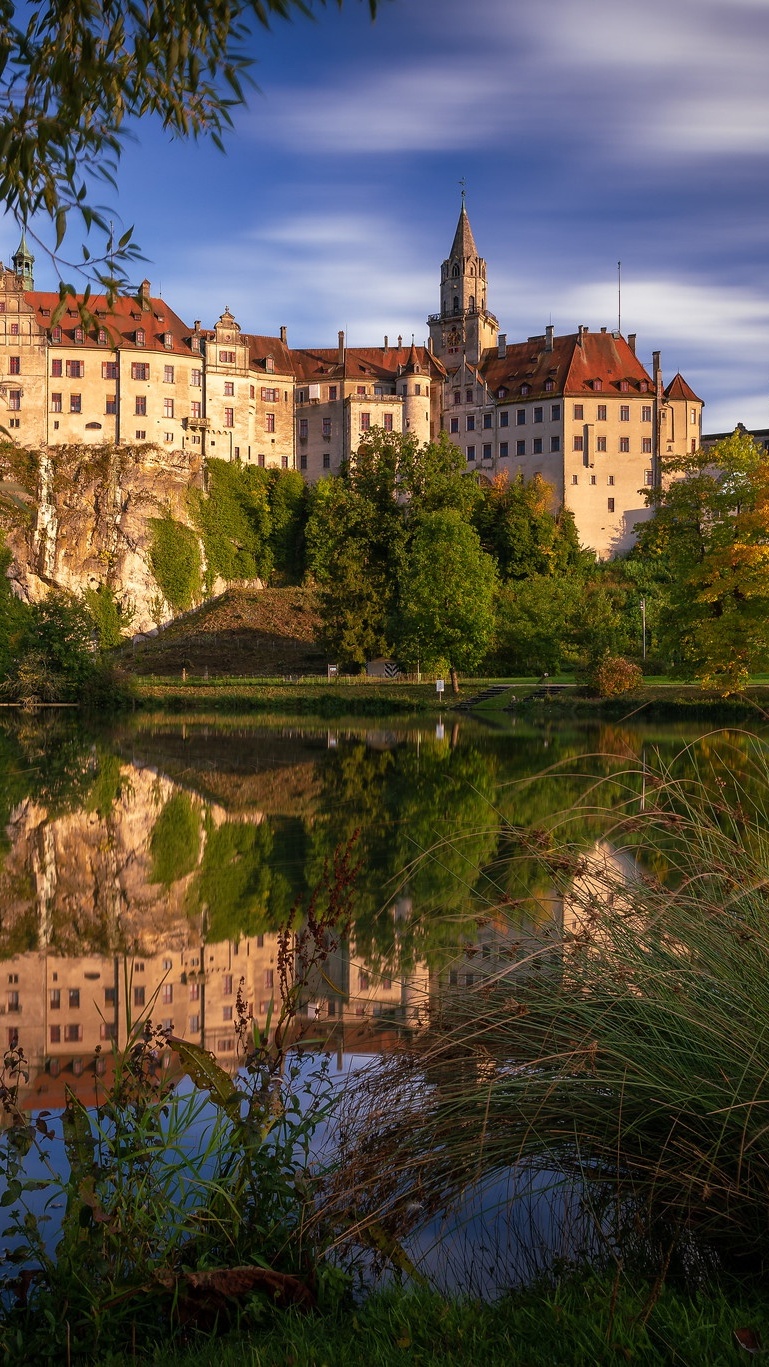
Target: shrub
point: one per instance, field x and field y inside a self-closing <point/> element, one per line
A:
<point x="613" y="675"/>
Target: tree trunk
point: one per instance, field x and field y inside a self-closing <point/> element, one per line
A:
<point x="454" y="681"/>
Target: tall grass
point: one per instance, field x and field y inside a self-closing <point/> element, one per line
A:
<point x="628" y="1054"/>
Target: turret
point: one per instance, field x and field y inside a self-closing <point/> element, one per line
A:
<point x="24" y="264"/>
<point x="463" y="327"/>
<point x="414" y="386"/>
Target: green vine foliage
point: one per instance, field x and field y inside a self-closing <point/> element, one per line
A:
<point x="175" y="561"/>
<point x="234" y="521"/>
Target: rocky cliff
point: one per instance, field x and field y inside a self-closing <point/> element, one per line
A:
<point x="79" y="516"/>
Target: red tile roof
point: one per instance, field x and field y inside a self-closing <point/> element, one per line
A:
<point x="578" y="364"/>
<point x="259" y="348"/>
<point x="120" y="321"/>
<point x="376" y="363"/>
<point x="679" y="389"/>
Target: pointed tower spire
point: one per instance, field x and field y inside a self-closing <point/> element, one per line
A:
<point x="24" y="263"/>
<point x="464" y="242"/>
<point x="464" y="327"/>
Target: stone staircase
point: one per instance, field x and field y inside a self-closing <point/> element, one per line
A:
<point x="492" y="692"/>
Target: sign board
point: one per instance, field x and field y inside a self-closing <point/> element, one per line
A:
<point x="333" y="671"/>
<point x="439" y="685"/>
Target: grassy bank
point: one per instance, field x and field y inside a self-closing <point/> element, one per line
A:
<point x="582" y="1323"/>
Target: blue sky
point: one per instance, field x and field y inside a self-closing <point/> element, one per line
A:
<point x="587" y="131"/>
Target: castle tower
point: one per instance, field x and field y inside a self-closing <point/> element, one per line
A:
<point x="415" y="388"/>
<point x="24" y="264"/>
<point x="464" y="328"/>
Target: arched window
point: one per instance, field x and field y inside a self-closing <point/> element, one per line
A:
<point x="472" y="303"/>
<point x="456" y="303"/>
<point x="455" y="270"/>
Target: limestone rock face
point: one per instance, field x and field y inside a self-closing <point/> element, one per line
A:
<point x="88" y="519"/>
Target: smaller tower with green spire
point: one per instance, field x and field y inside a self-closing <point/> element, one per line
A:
<point x="24" y="264"/>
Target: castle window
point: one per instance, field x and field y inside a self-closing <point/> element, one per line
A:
<point x="549" y="386"/>
<point x="388" y="422"/>
<point x="538" y="415"/>
<point x="168" y="339"/>
<point x="503" y="449"/>
<point x="109" y="370"/>
<point x="469" y="395"/>
<point x="55" y="334"/>
<point x="141" y="405"/>
<point x="610" y="505"/>
<point x="693" y="415"/>
<point x="593" y="479"/>
<point x="457" y="396"/>
<point x="456" y="303"/>
<point x="269" y="364"/>
<point x="140" y="337"/>
<point x="268" y="395"/>
<point x="361" y="389"/>
<point x="226" y="357"/>
<point x="575" y="479"/>
<point x="455" y="271"/>
<point x="488" y="420"/>
<point x="600" y="443"/>
<point x="269" y="420"/>
<point x="196" y="408"/>
<point x="555" y="412"/>
<point x="536" y="446"/>
<point x="470" y="422"/>
<point x="520" y="417"/>
<point x="56" y="403"/>
<point x="624" y="444"/>
<point x="196" y="379"/>
<point x="229" y="389"/>
<point x="168" y="408"/>
<point x="472" y="303"/>
<point x="304" y="427"/>
<point x="579" y="412"/>
<point x="579" y="443"/>
<point x="14" y="329"/>
<point x="326" y="426"/>
<point x="601" y="413"/>
<point x="624" y="412"/>
<point x="555" y="443"/>
<point x="332" y="393"/>
<point x="326" y="460"/>
<point x="14" y="365"/>
<point x="504" y="418"/>
<point x="597" y="384"/>
<point x="14" y="400"/>
<point x="75" y="403"/>
<point x="140" y="370"/>
<point x="471" y="453"/>
<point x="418" y="390"/>
<point x="487" y="451"/>
<point x="609" y="479"/>
<point x="646" y="446"/>
<point x="75" y="370"/>
<point x="520" y="448"/>
<point x="195" y="343"/>
<point x="303" y="460"/>
<point x="623" y="386"/>
<point x="111" y="404"/>
<point x="646" y="412"/>
<point x="101" y="336"/>
<point x="140" y="434"/>
<point x="454" y="424"/>
<point x="365" y="422"/>
<point x="168" y="374"/>
<point x="648" y="478"/>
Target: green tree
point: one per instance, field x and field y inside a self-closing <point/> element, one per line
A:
<point x="234" y="519"/>
<point x="73" y="78"/>
<point x="710" y="537"/>
<point x="517" y="525"/>
<point x="445" y="616"/>
<point x="288" y="503"/>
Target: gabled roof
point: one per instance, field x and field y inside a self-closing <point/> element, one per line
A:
<point x="679" y="389"/>
<point x="259" y="348"/>
<point x="360" y="363"/>
<point x="120" y="320"/>
<point x="464" y="242"/>
<point x="578" y="364"/>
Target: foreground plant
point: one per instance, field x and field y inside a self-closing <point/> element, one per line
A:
<point x="187" y="1191"/>
<point x="621" y="1063"/>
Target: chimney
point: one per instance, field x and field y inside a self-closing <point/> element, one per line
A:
<point x="340" y="348"/>
<point x="631" y="341"/>
<point x="603" y="329"/>
<point x="197" y="325"/>
<point x="387" y="343"/>
<point x="656" y="367"/>
<point x="400" y="341"/>
<point x="549" y="336"/>
<point x="502" y="345"/>
<point x="430" y="345"/>
<point x="144" y="294"/>
<point x="581" y="334"/>
<point x="284" y="336"/>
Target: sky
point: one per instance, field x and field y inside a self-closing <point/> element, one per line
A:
<point x="587" y="132"/>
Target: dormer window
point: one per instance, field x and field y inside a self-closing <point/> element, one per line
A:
<point x="140" y="337"/>
<point x="623" y="386"/>
<point x="195" y="343"/>
<point x="168" y="339"/>
<point x="55" y="334"/>
<point x="501" y="393"/>
<point x="102" y="336"/>
<point x="78" y="335"/>
<point x="598" y="385"/>
<point x="269" y="365"/>
<point x="549" y="386"/>
<point x="525" y="389"/>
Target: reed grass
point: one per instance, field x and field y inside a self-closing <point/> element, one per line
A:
<point x="624" y="1061"/>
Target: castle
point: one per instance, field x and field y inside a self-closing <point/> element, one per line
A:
<point x="580" y="410"/>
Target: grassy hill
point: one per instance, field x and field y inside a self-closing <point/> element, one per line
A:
<point x="246" y="632"/>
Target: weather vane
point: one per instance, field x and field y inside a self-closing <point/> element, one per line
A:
<point x="463" y="184"/>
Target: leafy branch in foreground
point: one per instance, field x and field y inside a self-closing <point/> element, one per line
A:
<point x="74" y="77"/>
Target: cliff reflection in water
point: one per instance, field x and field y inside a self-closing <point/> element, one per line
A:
<point x="150" y="871"/>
